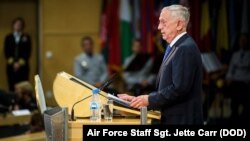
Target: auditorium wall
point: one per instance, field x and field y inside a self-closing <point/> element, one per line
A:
<point x="56" y="28"/>
<point x="62" y="25"/>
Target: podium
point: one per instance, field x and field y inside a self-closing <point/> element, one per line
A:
<point x="68" y="89"/>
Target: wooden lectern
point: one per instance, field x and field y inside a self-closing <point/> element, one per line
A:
<point x="69" y="89"/>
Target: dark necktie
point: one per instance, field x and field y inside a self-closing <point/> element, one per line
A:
<point x="167" y="52"/>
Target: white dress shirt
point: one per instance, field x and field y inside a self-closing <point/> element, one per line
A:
<point x="17" y="36"/>
<point x="177" y="38"/>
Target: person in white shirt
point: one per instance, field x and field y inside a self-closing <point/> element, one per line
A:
<point x="89" y="66"/>
<point x="238" y="78"/>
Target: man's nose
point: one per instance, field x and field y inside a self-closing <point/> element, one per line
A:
<point x="159" y="26"/>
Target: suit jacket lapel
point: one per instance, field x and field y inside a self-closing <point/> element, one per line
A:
<point x="171" y="54"/>
<point x="164" y="62"/>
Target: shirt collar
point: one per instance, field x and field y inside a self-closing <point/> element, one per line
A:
<point x="177" y="38"/>
<point x="17" y="33"/>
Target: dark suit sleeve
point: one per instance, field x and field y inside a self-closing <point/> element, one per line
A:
<point x="7" y="52"/>
<point x="26" y="54"/>
<point x="183" y="72"/>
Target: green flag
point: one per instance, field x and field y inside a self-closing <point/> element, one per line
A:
<point x="125" y="29"/>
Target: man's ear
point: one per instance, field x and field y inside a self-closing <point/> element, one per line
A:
<point x="180" y="25"/>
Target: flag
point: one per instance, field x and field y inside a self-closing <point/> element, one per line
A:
<point x="159" y="43"/>
<point x="114" y="52"/>
<point x="147" y="18"/>
<point x="232" y="23"/>
<point x="125" y="29"/>
<point x="104" y="29"/>
<point x="222" y="29"/>
<point x="136" y="19"/>
<point x="245" y="17"/>
<point x="205" y="27"/>
<point x="150" y="27"/>
<point x="109" y="33"/>
<point x="143" y="24"/>
<point x="214" y="18"/>
<point x="194" y="27"/>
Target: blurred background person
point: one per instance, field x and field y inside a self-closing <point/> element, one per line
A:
<point x="21" y="98"/>
<point x="148" y="85"/>
<point x="238" y="78"/>
<point x="17" y="51"/>
<point x="88" y="66"/>
<point x="24" y="96"/>
<point x="137" y="68"/>
<point x="7" y="100"/>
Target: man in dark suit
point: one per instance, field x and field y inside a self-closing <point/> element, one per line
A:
<point x="179" y="82"/>
<point x="17" y="50"/>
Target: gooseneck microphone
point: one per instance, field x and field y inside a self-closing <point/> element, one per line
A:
<point x="72" y="110"/>
<point x="108" y="82"/>
<point x="105" y="85"/>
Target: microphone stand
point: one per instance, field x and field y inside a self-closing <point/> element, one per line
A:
<point x="72" y="110"/>
<point x="101" y="88"/>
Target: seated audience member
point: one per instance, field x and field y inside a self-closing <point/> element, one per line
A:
<point x="136" y="68"/>
<point x="238" y="77"/>
<point x="7" y="99"/>
<point x="88" y="66"/>
<point x="24" y="96"/>
<point x="148" y="84"/>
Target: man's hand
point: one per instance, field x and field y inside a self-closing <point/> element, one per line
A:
<point x="139" y="102"/>
<point x="126" y="97"/>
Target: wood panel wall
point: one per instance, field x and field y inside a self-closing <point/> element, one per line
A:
<point x="62" y="25"/>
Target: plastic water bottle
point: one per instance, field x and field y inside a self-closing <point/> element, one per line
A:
<point x="95" y="106"/>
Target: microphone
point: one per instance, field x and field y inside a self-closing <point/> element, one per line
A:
<point x="72" y="110"/>
<point x="106" y="84"/>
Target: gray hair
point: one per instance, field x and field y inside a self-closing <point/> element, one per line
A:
<point x="178" y="11"/>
